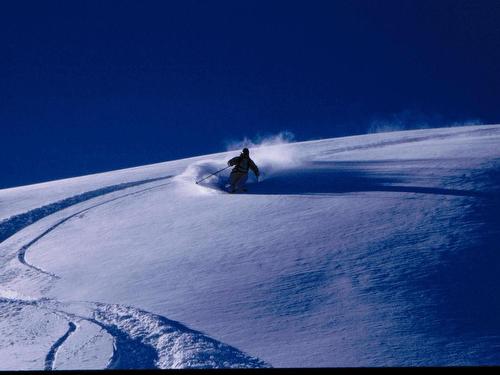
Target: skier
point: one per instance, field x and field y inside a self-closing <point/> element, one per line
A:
<point x="239" y="174"/>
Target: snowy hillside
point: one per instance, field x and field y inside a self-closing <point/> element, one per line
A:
<point x="374" y="250"/>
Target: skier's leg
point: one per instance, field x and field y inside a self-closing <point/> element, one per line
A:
<point x="241" y="181"/>
<point x="233" y="181"/>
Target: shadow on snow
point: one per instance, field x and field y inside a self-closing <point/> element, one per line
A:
<point x="347" y="177"/>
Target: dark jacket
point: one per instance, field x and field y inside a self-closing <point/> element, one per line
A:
<point x="242" y="164"/>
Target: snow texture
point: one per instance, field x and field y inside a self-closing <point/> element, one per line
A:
<point x="374" y="250"/>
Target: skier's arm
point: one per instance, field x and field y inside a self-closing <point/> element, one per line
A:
<point x="233" y="161"/>
<point x="254" y="168"/>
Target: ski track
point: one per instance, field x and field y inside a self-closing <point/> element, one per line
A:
<point x="22" y="252"/>
<point x="49" y="359"/>
<point x="141" y="340"/>
<point x="395" y="142"/>
<point x="14" y="224"/>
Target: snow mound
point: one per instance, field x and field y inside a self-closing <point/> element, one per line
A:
<point x="175" y="346"/>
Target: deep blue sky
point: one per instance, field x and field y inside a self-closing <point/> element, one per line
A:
<point x="89" y="86"/>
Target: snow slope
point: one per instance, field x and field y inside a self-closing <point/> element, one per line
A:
<point x="374" y="250"/>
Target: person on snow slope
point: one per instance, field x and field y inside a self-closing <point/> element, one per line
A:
<point x="239" y="174"/>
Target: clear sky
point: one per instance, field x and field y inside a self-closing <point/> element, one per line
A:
<point x="90" y="86"/>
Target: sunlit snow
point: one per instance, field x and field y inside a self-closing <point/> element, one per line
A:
<point x="373" y="250"/>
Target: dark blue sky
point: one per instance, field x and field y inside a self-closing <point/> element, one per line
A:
<point x="89" y="86"/>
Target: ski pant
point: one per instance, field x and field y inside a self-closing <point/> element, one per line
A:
<point x="237" y="180"/>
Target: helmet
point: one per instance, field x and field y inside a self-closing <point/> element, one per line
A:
<point x="246" y="152"/>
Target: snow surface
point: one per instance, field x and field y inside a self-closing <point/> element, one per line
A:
<point x="373" y="250"/>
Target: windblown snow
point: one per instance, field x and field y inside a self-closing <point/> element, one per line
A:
<point x="373" y="250"/>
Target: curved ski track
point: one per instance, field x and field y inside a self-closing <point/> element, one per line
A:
<point x="22" y="252"/>
<point x="49" y="359"/>
<point x="141" y="339"/>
